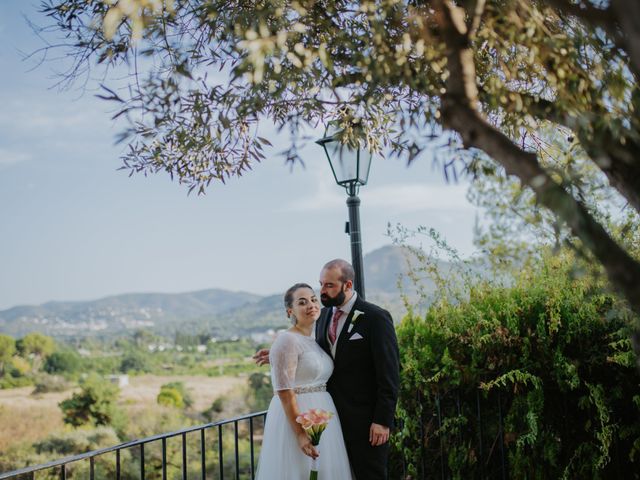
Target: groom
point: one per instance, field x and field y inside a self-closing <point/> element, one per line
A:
<point x="364" y="385"/>
<point x="361" y="339"/>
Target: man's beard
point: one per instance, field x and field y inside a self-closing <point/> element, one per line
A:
<point x="336" y="301"/>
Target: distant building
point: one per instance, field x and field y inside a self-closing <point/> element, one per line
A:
<point x="119" y="380"/>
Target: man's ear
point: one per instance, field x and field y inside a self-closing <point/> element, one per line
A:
<point x="349" y="284"/>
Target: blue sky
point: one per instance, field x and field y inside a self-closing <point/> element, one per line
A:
<point x="73" y="227"/>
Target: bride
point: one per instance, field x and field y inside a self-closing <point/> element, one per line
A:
<point x="299" y="373"/>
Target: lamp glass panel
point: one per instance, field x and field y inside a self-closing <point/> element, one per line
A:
<point x="365" y="165"/>
<point x="344" y="160"/>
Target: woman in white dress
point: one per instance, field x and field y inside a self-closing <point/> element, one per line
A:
<point x="299" y="373"/>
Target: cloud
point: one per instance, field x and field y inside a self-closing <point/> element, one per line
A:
<point x="9" y="157"/>
<point x="398" y="197"/>
<point x="418" y="197"/>
<point x="35" y="119"/>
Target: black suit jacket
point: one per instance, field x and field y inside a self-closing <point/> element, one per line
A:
<point x="366" y="375"/>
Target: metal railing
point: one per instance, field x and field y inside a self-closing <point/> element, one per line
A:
<point x="139" y="444"/>
<point x="436" y="428"/>
<point x="482" y="435"/>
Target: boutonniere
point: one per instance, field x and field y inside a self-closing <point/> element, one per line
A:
<point x="354" y="319"/>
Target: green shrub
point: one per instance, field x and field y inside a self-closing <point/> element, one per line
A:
<point x="551" y="355"/>
<point x="134" y="362"/>
<point x="15" y="382"/>
<point x="65" y="361"/>
<point x="217" y="407"/>
<point x="187" y="399"/>
<point x="7" y="350"/>
<point x="95" y="404"/>
<point x="51" y="383"/>
<point x="80" y="441"/>
<point x="170" y="397"/>
<point x="260" y="391"/>
<point x="77" y="441"/>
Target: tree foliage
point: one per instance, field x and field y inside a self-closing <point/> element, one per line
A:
<point x="134" y="361"/>
<point x="550" y="355"/>
<point x="64" y="361"/>
<point x="174" y="394"/>
<point x="394" y="74"/>
<point x="7" y="350"/>
<point x="260" y="391"/>
<point x="36" y="344"/>
<point x="95" y="404"/>
<point x="170" y="397"/>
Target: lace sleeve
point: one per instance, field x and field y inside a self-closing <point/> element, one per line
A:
<point x="283" y="357"/>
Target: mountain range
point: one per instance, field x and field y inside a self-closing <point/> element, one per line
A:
<point x="217" y="312"/>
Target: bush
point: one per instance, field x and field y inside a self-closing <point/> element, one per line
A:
<point x="95" y="404"/>
<point x="80" y="441"/>
<point x="7" y="350"/>
<point x="19" y="367"/>
<point x="134" y="362"/>
<point x="182" y="390"/>
<point x="17" y="374"/>
<point x="260" y="391"/>
<point x="551" y="355"/>
<point x="62" y="362"/>
<point x="170" y="397"/>
<point x="51" y="383"/>
<point x="77" y="441"/>
<point x="217" y="407"/>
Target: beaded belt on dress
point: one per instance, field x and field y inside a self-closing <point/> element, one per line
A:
<point x="310" y="389"/>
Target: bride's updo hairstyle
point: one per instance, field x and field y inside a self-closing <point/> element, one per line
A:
<point x="288" y="297"/>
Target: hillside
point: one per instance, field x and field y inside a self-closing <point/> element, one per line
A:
<point x="215" y="311"/>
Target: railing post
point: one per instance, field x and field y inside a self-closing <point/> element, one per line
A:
<point x="422" y="467"/>
<point x="203" y="451"/>
<point x="164" y="459"/>
<point x="501" y="433"/>
<point x="184" y="456"/>
<point x="142" y="461"/>
<point x="220" y="453"/>
<point x="235" y="431"/>
<point x="118" y="464"/>
<point x="439" y="412"/>
<point x="480" y="454"/>
<point x="251" y="446"/>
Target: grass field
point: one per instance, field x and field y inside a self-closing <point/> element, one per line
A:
<point x="27" y="418"/>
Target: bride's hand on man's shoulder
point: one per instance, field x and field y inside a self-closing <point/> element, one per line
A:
<point x="306" y="446"/>
<point x="261" y="357"/>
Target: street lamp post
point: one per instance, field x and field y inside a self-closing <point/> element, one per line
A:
<point x="350" y="167"/>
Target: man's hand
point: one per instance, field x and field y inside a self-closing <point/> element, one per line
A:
<point x="261" y="357"/>
<point x="378" y="434"/>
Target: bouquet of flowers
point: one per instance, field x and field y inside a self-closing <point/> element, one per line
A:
<point x="314" y="423"/>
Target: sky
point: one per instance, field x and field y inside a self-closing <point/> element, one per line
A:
<point x="74" y="227"/>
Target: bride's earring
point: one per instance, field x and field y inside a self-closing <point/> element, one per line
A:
<point x="293" y="319"/>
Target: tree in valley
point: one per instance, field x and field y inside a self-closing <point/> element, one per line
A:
<point x="37" y="347"/>
<point x="7" y="350"/>
<point x="95" y="404"/>
<point x="64" y="361"/>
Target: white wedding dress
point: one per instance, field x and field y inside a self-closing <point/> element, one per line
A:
<point x="298" y="362"/>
